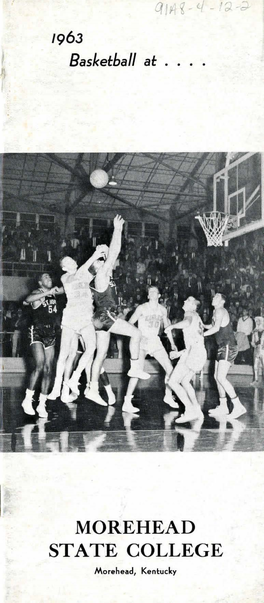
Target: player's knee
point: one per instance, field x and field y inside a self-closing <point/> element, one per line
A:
<point x="216" y="377"/>
<point x="101" y="357"/>
<point x="72" y="354"/>
<point x="186" y="382"/>
<point x="46" y="370"/>
<point x="39" y="365"/>
<point x="72" y="348"/>
<point x="173" y="381"/>
<point x="64" y="354"/>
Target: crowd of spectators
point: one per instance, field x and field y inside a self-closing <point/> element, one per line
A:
<point x="25" y="244"/>
<point x="178" y="268"/>
<point x="44" y="244"/>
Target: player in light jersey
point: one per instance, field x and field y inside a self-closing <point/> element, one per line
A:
<point x="76" y="322"/>
<point x="106" y="319"/>
<point x="226" y="354"/>
<point x="42" y="341"/>
<point x="258" y="345"/>
<point x="150" y="317"/>
<point x="192" y="360"/>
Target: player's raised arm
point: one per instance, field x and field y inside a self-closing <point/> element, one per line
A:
<point x="115" y="245"/>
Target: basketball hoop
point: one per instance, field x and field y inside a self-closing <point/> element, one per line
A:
<point x="213" y="224"/>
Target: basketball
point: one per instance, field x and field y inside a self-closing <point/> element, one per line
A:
<point x="99" y="178"/>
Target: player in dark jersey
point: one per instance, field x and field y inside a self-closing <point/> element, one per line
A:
<point x="106" y="319"/>
<point x="226" y="354"/>
<point x="42" y="341"/>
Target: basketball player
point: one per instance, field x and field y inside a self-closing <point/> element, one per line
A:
<point x="104" y="379"/>
<point x="226" y="354"/>
<point x="192" y="360"/>
<point x="76" y="321"/>
<point x="106" y="320"/>
<point x="150" y="317"/>
<point x="42" y="341"/>
<point x="258" y="345"/>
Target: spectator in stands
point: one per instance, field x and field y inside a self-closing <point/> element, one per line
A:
<point x="244" y="329"/>
<point x="258" y="346"/>
<point x="18" y="327"/>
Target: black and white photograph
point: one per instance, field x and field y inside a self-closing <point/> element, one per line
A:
<point x="132" y="313"/>
<point x="133" y="302"/>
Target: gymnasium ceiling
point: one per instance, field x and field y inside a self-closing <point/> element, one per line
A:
<point x="150" y="183"/>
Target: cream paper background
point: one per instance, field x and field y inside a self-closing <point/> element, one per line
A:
<point x="222" y="494"/>
<point x="51" y="107"/>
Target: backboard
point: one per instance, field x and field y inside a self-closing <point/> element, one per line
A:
<point x="239" y="192"/>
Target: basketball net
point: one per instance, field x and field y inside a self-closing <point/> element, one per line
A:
<point x="214" y="224"/>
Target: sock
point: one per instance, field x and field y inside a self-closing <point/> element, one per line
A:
<point x="57" y="384"/>
<point x="108" y="388"/>
<point x="30" y="393"/>
<point x="104" y="378"/>
<point x="94" y="385"/>
<point x="235" y="400"/>
<point x="128" y="405"/>
<point x="42" y="398"/>
<point x="133" y="360"/>
<point x="222" y="400"/>
<point x="128" y="398"/>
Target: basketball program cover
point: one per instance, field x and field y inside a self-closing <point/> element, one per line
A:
<point x="132" y="337"/>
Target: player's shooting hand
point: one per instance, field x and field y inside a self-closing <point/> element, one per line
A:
<point x="101" y="250"/>
<point x="118" y="222"/>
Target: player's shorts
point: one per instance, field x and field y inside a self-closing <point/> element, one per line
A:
<point x="44" y="334"/>
<point x="258" y="353"/>
<point x="196" y="358"/>
<point x="104" y="318"/>
<point x="227" y="352"/>
<point x="76" y="319"/>
<point x="150" y="345"/>
<point x="191" y="360"/>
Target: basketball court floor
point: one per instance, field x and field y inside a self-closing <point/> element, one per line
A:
<point x="84" y="426"/>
